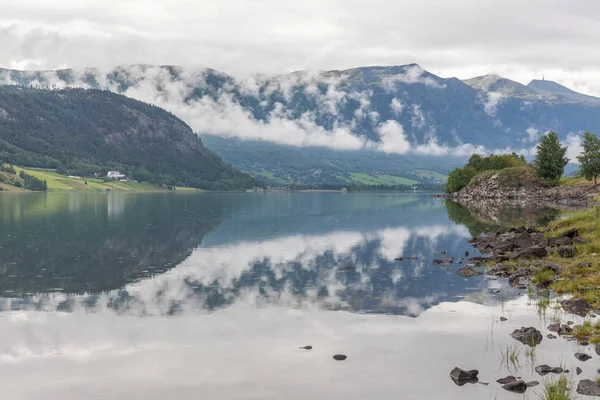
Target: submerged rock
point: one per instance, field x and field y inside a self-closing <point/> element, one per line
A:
<point x="516" y="387"/>
<point x="528" y="336"/>
<point x="532" y="383"/>
<point x="543" y="369"/>
<point x="466" y="272"/>
<point x="578" y="371"/>
<point x="597" y="349"/>
<point x="550" y="336"/>
<point x="582" y="356"/>
<point x="340" y="357"/>
<point x="508" y="379"/>
<point x="560" y="329"/>
<point x="503" y="319"/>
<point x="577" y="305"/>
<point x="307" y="348"/>
<point x="462" y="377"/>
<point x="588" y="387"/>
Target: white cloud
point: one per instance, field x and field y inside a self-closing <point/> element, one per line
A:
<point x="492" y="102"/>
<point x="412" y="75"/>
<point x="393" y="138"/>
<point x="574" y="147"/>
<point x="396" y="106"/>
<point x="532" y="135"/>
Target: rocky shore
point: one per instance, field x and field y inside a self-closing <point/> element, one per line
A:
<point x="493" y="188"/>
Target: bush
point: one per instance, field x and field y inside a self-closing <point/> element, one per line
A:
<point x="33" y="183"/>
<point x="461" y="177"/>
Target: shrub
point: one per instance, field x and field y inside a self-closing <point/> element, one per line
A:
<point x="461" y="177"/>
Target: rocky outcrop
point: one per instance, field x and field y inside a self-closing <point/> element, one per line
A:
<point x="462" y="377"/>
<point x="495" y="188"/>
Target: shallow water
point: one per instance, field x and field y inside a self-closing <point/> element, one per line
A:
<point x="181" y="296"/>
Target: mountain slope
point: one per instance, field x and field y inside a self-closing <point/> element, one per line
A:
<point x="397" y="113"/>
<point x="87" y="131"/>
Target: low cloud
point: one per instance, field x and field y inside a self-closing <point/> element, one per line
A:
<point x="413" y="74"/>
<point x="492" y="102"/>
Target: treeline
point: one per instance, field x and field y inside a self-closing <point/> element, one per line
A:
<point x="548" y="165"/>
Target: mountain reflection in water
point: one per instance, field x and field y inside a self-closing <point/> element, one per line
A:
<point x="168" y="253"/>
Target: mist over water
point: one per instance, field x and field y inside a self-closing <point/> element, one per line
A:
<point x="181" y="295"/>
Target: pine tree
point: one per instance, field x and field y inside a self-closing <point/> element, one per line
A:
<point x="550" y="159"/>
<point x="589" y="159"/>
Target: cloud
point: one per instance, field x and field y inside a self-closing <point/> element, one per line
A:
<point x="574" y="147"/>
<point x="532" y="135"/>
<point x="492" y="102"/>
<point x="413" y="74"/>
<point x="396" y="107"/>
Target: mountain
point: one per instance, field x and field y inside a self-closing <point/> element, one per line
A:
<point x="348" y="121"/>
<point x="87" y="131"/>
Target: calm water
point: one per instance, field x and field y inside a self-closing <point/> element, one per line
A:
<point x="186" y="296"/>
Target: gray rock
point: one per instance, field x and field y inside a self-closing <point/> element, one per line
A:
<point x="516" y="387"/>
<point x="588" y="387"/>
<point x="582" y="356"/>
<point x="466" y="272"/>
<point x="578" y="306"/>
<point x="557" y="370"/>
<point x="578" y="371"/>
<point x="502" y="319"/>
<point x="543" y="369"/>
<point x="584" y="343"/>
<point x="532" y="383"/>
<point x="528" y="336"/>
<point x="550" y="336"/>
<point x="508" y="379"/>
<point x="462" y="377"/>
<point x="570" y="323"/>
<point x="531" y="252"/>
<point x="340" y="357"/>
<point x="567" y="251"/>
<point x="307" y="348"/>
<point x="597" y="349"/>
<point x="523" y="240"/>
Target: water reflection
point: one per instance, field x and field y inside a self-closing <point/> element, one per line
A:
<point x="156" y="254"/>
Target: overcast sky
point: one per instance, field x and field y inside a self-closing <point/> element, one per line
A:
<point x="517" y="39"/>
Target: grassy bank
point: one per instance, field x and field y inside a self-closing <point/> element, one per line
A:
<point x="57" y="183"/>
<point x="580" y="275"/>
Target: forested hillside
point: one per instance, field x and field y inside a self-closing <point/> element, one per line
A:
<point x="82" y="132"/>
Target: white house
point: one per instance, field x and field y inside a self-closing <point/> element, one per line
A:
<point x="115" y="175"/>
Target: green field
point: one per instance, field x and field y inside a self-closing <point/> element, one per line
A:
<point x="431" y="174"/>
<point x="57" y="182"/>
<point x="366" y="179"/>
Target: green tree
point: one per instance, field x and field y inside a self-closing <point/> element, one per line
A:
<point x="589" y="159"/>
<point x="459" y="179"/>
<point x="550" y="159"/>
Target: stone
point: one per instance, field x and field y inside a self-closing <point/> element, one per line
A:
<point x="466" y="272"/>
<point x="508" y="379"/>
<point x="582" y="356"/>
<point x="466" y="254"/>
<point x="515" y="387"/>
<point x="577" y="305"/>
<point x="532" y="383"/>
<point x="543" y="369"/>
<point x="597" y="349"/>
<point x="444" y="260"/>
<point x="503" y="319"/>
<point x="550" y="336"/>
<point x="531" y="252"/>
<point x="570" y="323"/>
<point x="562" y="241"/>
<point x="579" y="240"/>
<point x="571" y="233"/>
<point x="588" y="387"/>
<point x="307" y="348"/>
<point x="557" y="370"/>
<point x="584" y="343"/>
<point x="462" y="377"/>
<point x="340" y="357"/>
<point x="523" y="240"/>
<point x="578" y="371"/>
<point x="584" y="265"/>
<point x="528" y="336"/>
<point x="567" y="251"/>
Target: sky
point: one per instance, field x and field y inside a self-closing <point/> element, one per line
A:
<point x="520" y="40"/>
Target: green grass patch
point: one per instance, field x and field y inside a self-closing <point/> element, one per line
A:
<point x="366" y="179"/>
<point x="557" y="389"/>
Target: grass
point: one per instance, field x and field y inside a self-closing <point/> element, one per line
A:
<point x="531" y="354"/>
<point x="588" y="331"/>
<point x="431" y="174"/>
<point x="557" y="389"/>
<point x="57" y="182"/>
<point x="510" y="357"/>
<point x="367" y="179"/>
